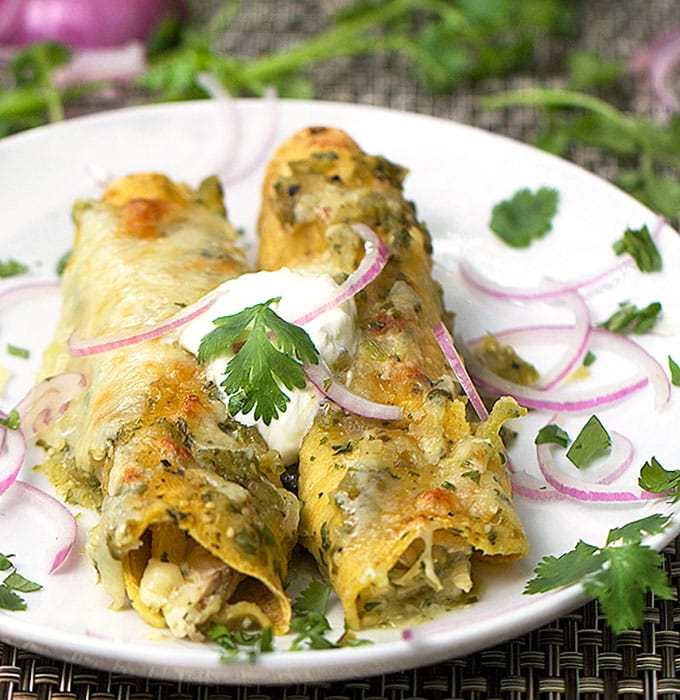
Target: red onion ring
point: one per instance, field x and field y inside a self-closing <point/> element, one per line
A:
<point x="374" y="260"/>
<point x="445" y="341"/>
<point x="577" y="344"/>
<point x="216" y="91"/>
<point x="26" y="288"/>
<point x="122" y="64"/>
<point x="47" y="400"/>
<point x="260" y="156"/>
<point x="658" y="61"/>
<point x="600" y="338"/>
<point x="60" y="518"/>
<point x="597" y="492"/>
<point x="96" y="346"/>
<point x="12" y="455"/>
<point x="550" y="289"/>
<point x="322" y="378"/>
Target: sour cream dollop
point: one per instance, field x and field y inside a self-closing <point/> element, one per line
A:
<point x="333" y="333"/>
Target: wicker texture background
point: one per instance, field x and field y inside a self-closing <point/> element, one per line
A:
<point x="576" y="656"/>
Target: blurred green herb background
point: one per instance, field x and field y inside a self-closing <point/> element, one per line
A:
<point x="503" y="56"/>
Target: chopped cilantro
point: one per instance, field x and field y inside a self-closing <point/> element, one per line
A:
<point x="631" y="319"/>
<point x="590" y="443"/>
<point x="15" y="350"/>
<point x="655" y="479"/>
<point x="675" y="371"/>
<point x="11" y="422"/>
<point x="526" y="216"/>
<point x="270" y="354"/>
<point x="589" y="359"/>
<point x="449" y="486"/>
<point x="13" y="584"/>
<point x="63" y="262"/>
<point x="639" y="244"/>
<point x="10" y="268"/>
<point x="237" y="644"/>
<point x="552" y="434"/>
<point x="473" y="474"/>
<point x="618" y="575"/>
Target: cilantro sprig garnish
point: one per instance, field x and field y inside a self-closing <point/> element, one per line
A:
<point x="310" y="623"/>
<point x="238" y="644"/>
<point x="269" y="353"/>
<point x="13" y="584"/>
<point x="639" y="244"/>
<point x="525" y="216"/>
<point x="619" y="574"/>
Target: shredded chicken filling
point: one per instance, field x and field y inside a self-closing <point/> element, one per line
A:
<point x="186" y="584"/>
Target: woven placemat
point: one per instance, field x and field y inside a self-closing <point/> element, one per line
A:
<point x="576" y="656"/>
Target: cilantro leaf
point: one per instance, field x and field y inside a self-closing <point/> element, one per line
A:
<point x="526" y="216"/>
<point x="631" y="319"/>
<point x="11" y="422"/>
<point x="9" y="600"/>
<point x="269" y="352"/>
<point x="11" y="268"/>
<point x="589" y="444"/>
<point x="20" y="583"/>
<point x="314" y="599"/>
<point x="554" y="572"/>
<point x="633" y="532"/>
<point x="618" y="575"/>
<point x="655" y="479"/>
<point x="675" y="371"/>
<point x="552" y="434"/>
<point x="639" y="244"/>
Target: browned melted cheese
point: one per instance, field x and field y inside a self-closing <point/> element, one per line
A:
<point x="393" y="512"/>
<point x="194" y="525"/>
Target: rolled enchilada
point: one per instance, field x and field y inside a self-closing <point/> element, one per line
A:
<point x="194" y="525"/>
<point x="394" y="512"/>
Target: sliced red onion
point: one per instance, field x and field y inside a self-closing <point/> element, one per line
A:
<point x="577" y="340"/>
<point x="12" y="456"/>
<point x="60" y="518"/>
<point x="48" y="400"/>
<point x="322" y="378"/>
<point x="96" y="346"/>
<point x="371" y="265"/>
<point x="600" y="338"/>
<point x="550" y="289"/>
<point x="217" y="92"/>
<point x="443" y="337"/>
<point x="260" y="156"/>
<point x="577" y="344"/>
<point x="597" y="492"/>
<point x="121" y="64"/>
<point x="658" y="61"/>
<point x="533" y="489"/>
<point x="82" y="23"/>
<point x="27" y="288"/>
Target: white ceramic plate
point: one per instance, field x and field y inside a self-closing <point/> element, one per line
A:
<point x="457" y="174"/>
